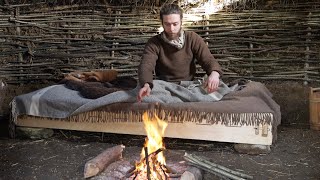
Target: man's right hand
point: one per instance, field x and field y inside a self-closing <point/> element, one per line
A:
<point x="144" y="91"/>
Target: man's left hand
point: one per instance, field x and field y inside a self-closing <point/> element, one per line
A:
<point x="212" y="82"/>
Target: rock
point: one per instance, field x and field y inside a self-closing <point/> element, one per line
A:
<point x="192" y="173"/>
<point x="253" y="149"/>
<point x="34" y="133"/>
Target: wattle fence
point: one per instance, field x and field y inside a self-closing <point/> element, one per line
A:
<point x="41" y="44"/>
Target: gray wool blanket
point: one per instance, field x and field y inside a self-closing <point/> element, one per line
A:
<point x="57" y="101"/>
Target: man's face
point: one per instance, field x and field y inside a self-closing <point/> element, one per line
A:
<point x="171" y="24"/>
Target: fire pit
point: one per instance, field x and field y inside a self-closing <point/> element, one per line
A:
<point x="152" y="164"/>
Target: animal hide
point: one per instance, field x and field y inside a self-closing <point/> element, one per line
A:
<point x="96" y="76"/>
<point x="95" y="84"/>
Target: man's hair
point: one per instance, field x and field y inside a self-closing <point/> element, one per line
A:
<point x="168" y="9"/>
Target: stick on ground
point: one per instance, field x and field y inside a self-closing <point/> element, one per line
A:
<point x="211" y="167"/>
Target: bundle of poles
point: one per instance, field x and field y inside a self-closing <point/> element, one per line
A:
<point x="218" y="170"/>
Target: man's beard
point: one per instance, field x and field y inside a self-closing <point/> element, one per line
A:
<point x="173" y="36"/>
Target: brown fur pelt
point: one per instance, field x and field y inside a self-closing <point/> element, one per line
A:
<point x="92" y="76"/>
<point x="94" y="90"/>
<point x="95" y="84"/>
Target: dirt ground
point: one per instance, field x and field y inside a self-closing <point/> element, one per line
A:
<point x="296" y="154"/>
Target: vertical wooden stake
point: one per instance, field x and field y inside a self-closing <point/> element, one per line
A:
<point x="306" y="64"/>
<point x="147" y="161"/>
<point x="18" y="30"/>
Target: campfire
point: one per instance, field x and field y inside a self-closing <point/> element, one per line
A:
<point x="152" y="164"/>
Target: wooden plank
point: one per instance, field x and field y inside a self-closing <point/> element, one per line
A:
<point x="185" y="130"/>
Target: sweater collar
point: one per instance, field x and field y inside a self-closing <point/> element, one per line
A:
<point x="178" y="43"/>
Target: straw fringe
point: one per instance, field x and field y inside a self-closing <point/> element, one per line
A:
<point x="229" y="119"/>
<point x="171" y="116"/>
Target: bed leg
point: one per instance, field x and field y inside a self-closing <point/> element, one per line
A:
<point x="253" y="149"/>
<point x="12" y="129"/>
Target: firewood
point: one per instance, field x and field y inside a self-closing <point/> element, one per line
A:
<point x="218" y="170"/>
<point x="104" y="159"/>
<point x="192" y="173"/>
<point x="147" y="162"/>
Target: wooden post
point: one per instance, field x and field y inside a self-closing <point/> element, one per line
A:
<point x="16" y="16"/>
<point x="157" y="3"/>
<point x="68" y="41"/>
<point x="207" y="22"/>
<point x="307" y="56"/>
<point x="117" y="24"/>
<point x="251" y="62"/>
<point x="18" y="31"/>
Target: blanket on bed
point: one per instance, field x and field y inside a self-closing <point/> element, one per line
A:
<point x="57" y="101"/>
<point x="249" y="104"/>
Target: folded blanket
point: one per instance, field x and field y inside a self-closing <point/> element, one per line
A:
<point x="57" y="101"/>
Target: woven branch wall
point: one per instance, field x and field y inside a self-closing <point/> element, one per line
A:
<point x="43" y="44"/>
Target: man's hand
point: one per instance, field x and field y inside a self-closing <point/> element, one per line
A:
<point x="144" y="91"/>
<point x="212" y="82"/>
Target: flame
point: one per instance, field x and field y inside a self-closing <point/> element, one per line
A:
<point x="155" y="128"/>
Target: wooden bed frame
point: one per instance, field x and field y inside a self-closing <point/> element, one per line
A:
<point x="259" y="134"/>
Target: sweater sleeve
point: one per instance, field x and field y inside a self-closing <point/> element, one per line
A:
<point x="148" y="62"/>
<point x="204" y="56"/>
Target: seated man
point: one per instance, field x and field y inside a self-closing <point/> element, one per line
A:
<point x="173" y="53"/>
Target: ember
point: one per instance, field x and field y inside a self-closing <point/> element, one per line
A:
<point x="152" y="164"/>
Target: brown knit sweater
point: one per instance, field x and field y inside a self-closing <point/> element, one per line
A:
<point x="173" y="64"/>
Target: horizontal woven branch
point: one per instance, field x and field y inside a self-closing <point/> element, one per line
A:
<point x="280" y="43"/>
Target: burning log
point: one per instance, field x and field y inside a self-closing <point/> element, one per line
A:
<point x="147" y="162"/>
<point x="170" y="170"/>
<point x="216" y="169"/>
<point x="153" y="157"/>
<point x="104" y="159"/>
<point x="151" y="163"/>
<point x="131" y="171"/>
